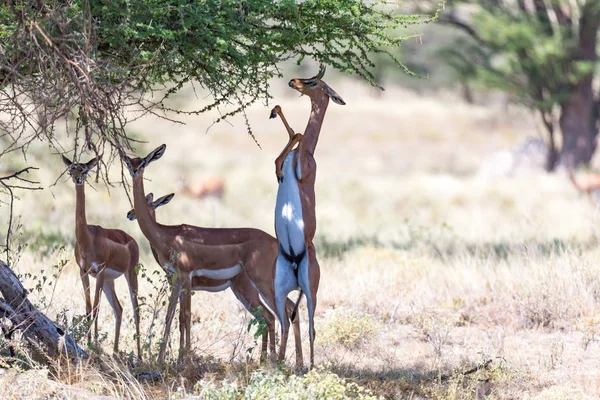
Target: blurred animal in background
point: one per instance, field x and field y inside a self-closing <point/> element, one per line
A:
<point x="588" y="183"/>
<point x="210" y="187"/>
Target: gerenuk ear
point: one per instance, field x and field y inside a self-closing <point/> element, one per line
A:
<point x="162" y="201"/>
<point x="126" y="159"/>
<point x="315" y="79"/>
<point x="149" y="198"/>
<point x="155" y="154"/>
<point x="66" y="161"/>
<point x="131" y="215"/>
<point x="335" y="97"/>
<point x="92" y="163"/>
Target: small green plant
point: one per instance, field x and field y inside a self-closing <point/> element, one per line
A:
<point x="210" y="390"/>
<point x="154" y="303"/>
<point x="317" y="384"/>
<point x="261" y="328"/>
<point x="75" y="325"/>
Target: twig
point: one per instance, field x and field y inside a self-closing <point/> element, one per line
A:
<point x="477" y="367"/>
<point x="4" y="181"/>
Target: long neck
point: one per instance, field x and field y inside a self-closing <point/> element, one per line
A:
<point x="285" y="123"/>
<point x="150" y="228"/>
<point x="317" y="114"/>
<point x="82" y="234"/>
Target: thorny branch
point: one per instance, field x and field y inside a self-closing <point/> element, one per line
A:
<point x="50" y="73"/>
<point x="10" y="183"/>
<point x="96" y="66"/>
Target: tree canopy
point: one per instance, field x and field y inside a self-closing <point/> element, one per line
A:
<point x="93" y="62"/>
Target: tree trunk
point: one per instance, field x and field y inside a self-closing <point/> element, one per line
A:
<point x="578" y="115"/>
<point x="44" y="337"/>
<point x="467" y="92"/>
<point x="552" y="154"/>
<point x="551" y="158"/>
<point x="577" y="124"/>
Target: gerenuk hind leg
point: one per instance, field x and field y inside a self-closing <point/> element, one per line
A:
<point x="297" y="335"/>
<point x="285" y="282"/>
<point x="132" y="282"/>
<point x="309" y="274"/>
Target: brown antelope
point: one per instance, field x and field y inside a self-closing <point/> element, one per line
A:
<point x="587" y="184"/>
<point x="105" y="254"/>
<point x="240" y="285"/>
<point x="295" y="220"/>
<point x="211" y="187"/>
<point x="212" y="253"/>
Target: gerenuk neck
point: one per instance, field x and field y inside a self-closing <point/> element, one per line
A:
<point x="317" y="114"/>
<point x="82" y="234"/>
<point x="147" y="224"/>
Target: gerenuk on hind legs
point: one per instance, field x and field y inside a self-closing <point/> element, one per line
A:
<point x="295" y="220"/>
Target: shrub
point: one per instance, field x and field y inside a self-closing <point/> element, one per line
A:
<point x="316" y="384"/>
<point x="346" y="327"/>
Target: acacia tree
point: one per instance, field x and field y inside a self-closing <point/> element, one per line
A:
<point x="97" y="64"/>
<point x="544" y="53"/>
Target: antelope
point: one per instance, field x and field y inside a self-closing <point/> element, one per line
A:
<point x="210" y="253"/>
<point x="240" y="285"/>
<point x="105" y="254"/>
<point x="295" y="220"/>
<point x="589" y="184"/>
<point x="211" y="187"/>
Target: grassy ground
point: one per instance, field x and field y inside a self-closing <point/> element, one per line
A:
<point x="428" y="271"/>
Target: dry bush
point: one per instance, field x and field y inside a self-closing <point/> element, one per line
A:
<point x="347" y="328"/>
<point x="435" y="330"/>
<point x="590" y="329"/>
<point x="556" y="290"/>
<point x="488" y="380"/>
<point x="560" y="393"/>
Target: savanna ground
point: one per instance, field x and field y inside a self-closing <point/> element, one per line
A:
<point x="428" y="269"/>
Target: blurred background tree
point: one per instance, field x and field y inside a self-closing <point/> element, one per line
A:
<point x="542" y="54"/>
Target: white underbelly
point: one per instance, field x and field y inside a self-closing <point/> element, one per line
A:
<point x="111" y="274"/>
<point x="212" y="289"/>
<point x="225" y="273"/>
<point x="95" y="268"/>
<point x="289" y="225"/>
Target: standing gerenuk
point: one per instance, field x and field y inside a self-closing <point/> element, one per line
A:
<point x="295" y="219"/>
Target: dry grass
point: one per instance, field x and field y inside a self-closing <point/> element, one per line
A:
<point x="427" y="270"/>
